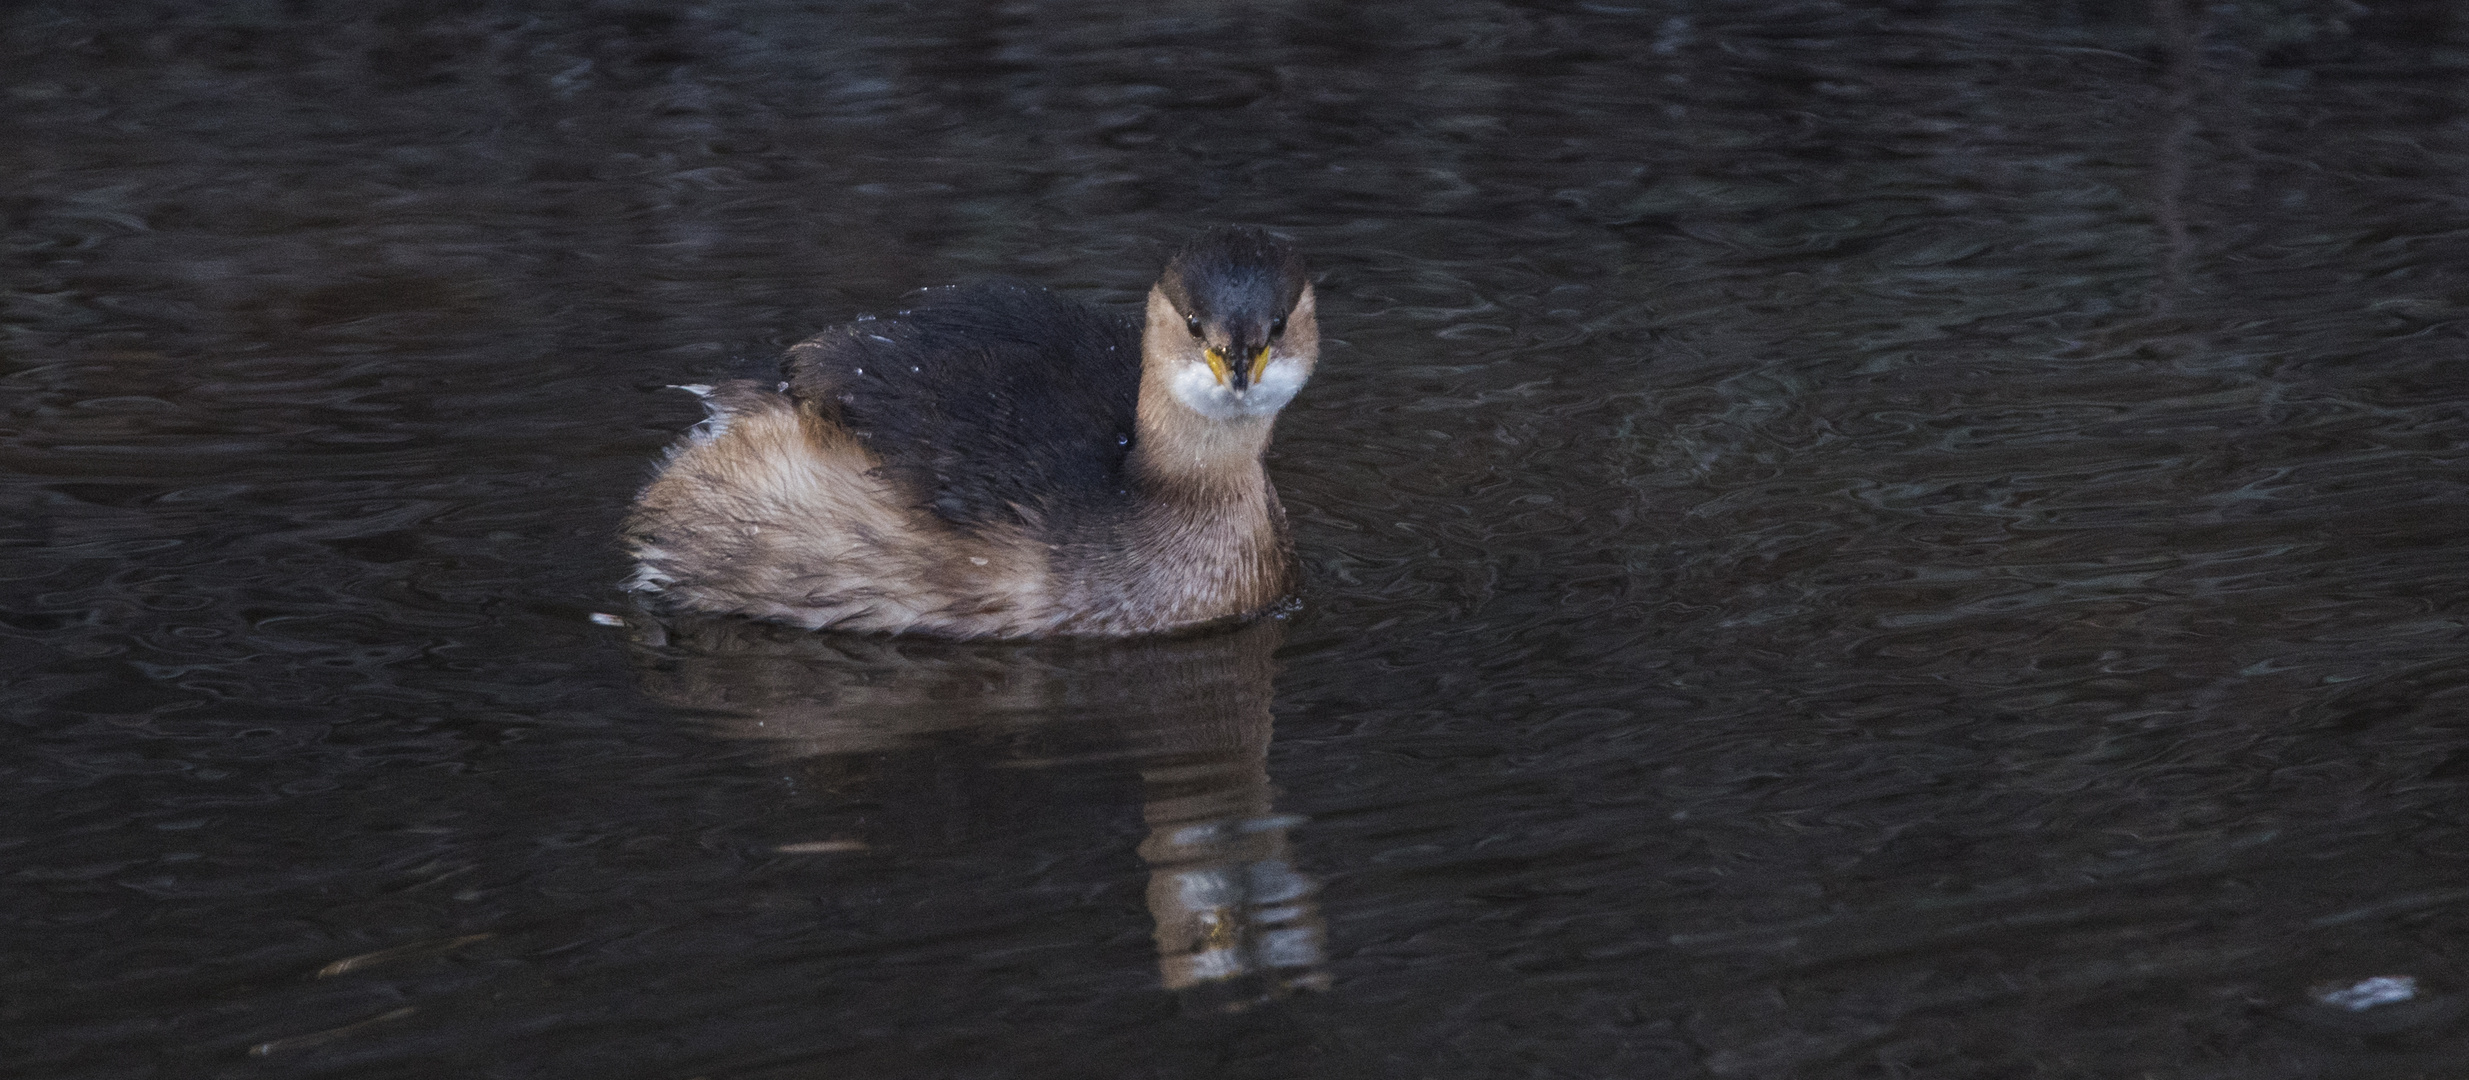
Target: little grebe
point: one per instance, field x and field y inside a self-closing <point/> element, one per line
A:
<point x="1000" y="461"/>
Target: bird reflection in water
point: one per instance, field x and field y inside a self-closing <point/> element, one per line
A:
<point x="1236" y="922"/>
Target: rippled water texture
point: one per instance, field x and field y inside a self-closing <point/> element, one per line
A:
<point x="1901" y="540"/>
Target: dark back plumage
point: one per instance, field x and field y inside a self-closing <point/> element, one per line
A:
<point x="991" y="404"/>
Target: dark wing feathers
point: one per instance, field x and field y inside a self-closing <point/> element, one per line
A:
<point x="996" y="403"/>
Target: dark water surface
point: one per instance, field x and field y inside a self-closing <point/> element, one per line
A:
<point x="1900" y="540"/>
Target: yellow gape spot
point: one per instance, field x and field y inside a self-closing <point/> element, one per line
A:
<point x="1217" y="364"/>
<point x="1260" y="363"/>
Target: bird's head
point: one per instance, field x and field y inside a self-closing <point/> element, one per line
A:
<point x="1231" y="329"/>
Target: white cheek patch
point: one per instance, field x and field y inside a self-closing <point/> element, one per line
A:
<point x="1276" y="387"/>
<point x="1199" y="391"/>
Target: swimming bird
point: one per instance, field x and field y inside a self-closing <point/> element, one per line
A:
<point x="998" y="461"/>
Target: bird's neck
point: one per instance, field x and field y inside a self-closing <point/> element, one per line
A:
<point x="1184" y="457"/>
<point x="1209" y="535"/>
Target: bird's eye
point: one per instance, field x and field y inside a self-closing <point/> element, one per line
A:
<point x="1277" y="326"/>
<point x="1192" y="323"/>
